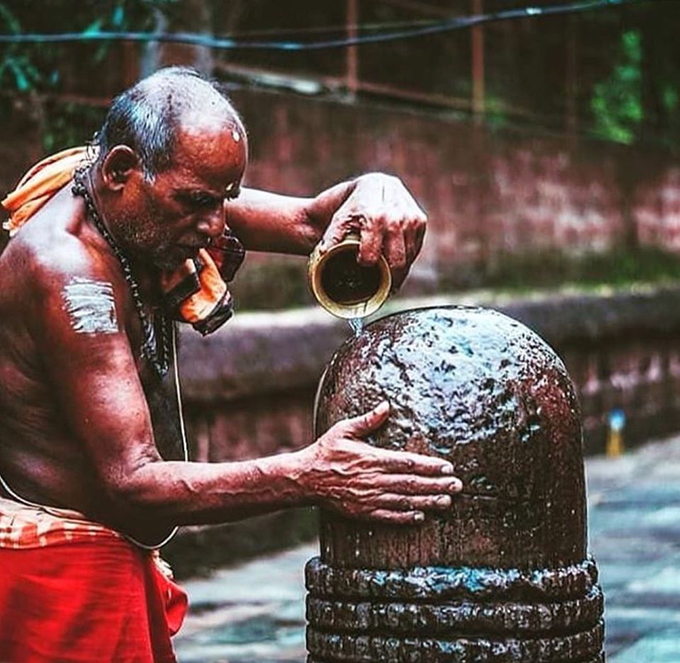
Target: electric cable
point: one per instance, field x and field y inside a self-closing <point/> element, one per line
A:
<point x="225" y="43"/>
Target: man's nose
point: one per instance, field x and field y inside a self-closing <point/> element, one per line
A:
<point x="212" y="223"/>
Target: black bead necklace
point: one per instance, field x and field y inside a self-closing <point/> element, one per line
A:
<point x="155" y="350"/>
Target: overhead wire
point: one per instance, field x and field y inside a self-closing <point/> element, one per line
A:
<point x="337" y="27"/>
<point x="226" y="43"/>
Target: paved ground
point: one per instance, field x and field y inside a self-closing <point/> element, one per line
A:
<point x="254" y="613"/>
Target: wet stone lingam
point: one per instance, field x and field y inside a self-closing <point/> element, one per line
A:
<point x="504" y="575"/>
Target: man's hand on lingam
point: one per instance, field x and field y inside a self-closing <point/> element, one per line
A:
<point x="347" y="475"/>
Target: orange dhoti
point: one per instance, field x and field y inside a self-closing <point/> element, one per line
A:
<point x="73" y="590"/>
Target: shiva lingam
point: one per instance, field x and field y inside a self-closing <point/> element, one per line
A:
<point x="504" y="575"/>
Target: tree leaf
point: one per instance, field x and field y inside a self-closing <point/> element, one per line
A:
<point x="94" y="27"/>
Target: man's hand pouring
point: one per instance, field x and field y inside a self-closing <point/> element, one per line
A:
<point x="347" y="475"/>
<point x="387" y="219"/>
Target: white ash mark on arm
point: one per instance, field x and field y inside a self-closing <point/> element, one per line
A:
<point x="91" y="306"/>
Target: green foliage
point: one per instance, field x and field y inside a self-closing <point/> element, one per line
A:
<point x="70" y="124"/>
<point x="26" y="67"/>
<point x="622" y="83"/>
<point x="617" y="101"/>
<point x="36" y="68"/>
<point x="671" y="97"/>
<point x="16" y="69"/>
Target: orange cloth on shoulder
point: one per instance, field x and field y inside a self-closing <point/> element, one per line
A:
<point x="196" y="293"/>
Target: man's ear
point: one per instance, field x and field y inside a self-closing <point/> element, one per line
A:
<point x="119" y="164"/>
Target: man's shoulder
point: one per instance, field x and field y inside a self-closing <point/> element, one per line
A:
<point x="66" y="287"/>
<point x="45" y="259"/>
<point x="50" y="249"/>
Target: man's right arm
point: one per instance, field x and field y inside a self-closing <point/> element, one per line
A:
<point x="78" y="321"/>
<point x="376" y="206"/>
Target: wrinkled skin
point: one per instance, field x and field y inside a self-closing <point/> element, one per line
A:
<point x="368" y="482"/>
<point x="75" y="418"/>
<point x="388" y="221"/>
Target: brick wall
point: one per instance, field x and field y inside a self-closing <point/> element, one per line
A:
<point x="488" y="192"/>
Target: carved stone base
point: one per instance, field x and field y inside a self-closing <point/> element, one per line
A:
<point x="435" y="614"/>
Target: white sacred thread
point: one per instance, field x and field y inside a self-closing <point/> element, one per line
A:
<point x="90" y="306"/>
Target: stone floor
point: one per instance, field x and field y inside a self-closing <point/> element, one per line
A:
<point x="254" y="613"/>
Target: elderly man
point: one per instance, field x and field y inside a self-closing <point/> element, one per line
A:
<point x="107" y="251"/>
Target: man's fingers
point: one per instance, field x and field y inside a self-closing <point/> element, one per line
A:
<point x="397" y="517"/>
<point x="371" y="245"/>
<point x="412" y="484"/>
<point x="342" y="223"/>
<point x="413" y="502"/>
<point x="395" y="465"/>
<point x="414" y="241"/>
<point x="405" y="462"/>
<point x="366" y="423"/>
<point x="395" y="252"/>
<point x="334" y="235"/>
<point x="411" y="247"/>
<point x="420" y="237"/>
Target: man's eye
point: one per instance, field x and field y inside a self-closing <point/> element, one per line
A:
<point x="200" y="201"/>
<point x="205" y="201"/>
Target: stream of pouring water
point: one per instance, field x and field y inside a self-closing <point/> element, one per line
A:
<point x="357" y="325"/>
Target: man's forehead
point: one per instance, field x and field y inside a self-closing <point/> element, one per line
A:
<point x="215" y="160"/>
<point x="204" y="140"/>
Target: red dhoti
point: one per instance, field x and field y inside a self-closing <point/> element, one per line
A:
<point x="72" y="590"/>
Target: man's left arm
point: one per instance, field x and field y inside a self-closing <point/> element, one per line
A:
<point x="377" y="207"/>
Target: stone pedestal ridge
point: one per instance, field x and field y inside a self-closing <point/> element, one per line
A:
<point x="504" y="575"/>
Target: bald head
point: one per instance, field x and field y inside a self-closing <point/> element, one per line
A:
<point x="148" y="116"/>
